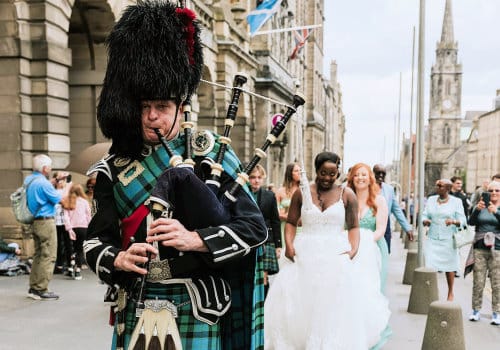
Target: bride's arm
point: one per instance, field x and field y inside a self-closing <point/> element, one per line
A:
<point x="291" y="224"/>
<point x="351" y="220"/>
<point x="381" y="218"/>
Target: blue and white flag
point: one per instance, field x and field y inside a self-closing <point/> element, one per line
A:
<point x="261" y="14"/>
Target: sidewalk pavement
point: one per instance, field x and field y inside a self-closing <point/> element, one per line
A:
<point x="408" y="329"/>
<point x="78" y="320"/>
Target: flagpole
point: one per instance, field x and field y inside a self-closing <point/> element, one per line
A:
<point x="281" y="30"/>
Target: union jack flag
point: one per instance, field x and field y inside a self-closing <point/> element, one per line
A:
<point x="300" y="36"/>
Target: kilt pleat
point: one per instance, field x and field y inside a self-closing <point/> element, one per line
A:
<point x="269" y="260"/>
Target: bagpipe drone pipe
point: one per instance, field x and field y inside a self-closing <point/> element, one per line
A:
<point x="179" y="190"/>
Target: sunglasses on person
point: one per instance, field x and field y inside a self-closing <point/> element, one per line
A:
<point x="439" y="185"/>
<point x="496" y="190"/>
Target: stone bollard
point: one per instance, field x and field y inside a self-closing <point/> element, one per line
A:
<point x="444" y="328"/>
<point x="424" y="290"/>
<point x="411" y="265"/>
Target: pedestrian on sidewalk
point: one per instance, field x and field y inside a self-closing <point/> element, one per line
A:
<point x="42" y="198"/>
<point x="484" y="258"/>
<point x="284" y="194"/>
<point x="443" y="213"/>
<point x="63" y="242"/>
<point x="392" y="204"/>
<point x="8" y="250"/>
<point x="76" y="220"/>
<point x="314" y="302"/>
<point x="266" y="201"/>
<point x="372" y="214"/>
<point x="371" y="262"/>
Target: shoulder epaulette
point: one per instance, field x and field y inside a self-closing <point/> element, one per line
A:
<point x="102" y="166"/>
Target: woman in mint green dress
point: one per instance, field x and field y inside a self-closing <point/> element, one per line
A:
<point x="372" y="258"/>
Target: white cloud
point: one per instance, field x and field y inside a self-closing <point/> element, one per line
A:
<point x="372" y="43"/>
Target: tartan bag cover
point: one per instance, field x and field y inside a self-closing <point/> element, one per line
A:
<point x="138" y="178"/>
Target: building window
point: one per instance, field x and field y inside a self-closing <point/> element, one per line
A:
<point x="448" y="88"/>
<point x="446" y="134"/>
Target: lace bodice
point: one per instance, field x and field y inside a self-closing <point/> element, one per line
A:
<point x="330" y="220"/>
<point x="368" y="221"/>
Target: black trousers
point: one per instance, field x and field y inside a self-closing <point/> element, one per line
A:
<point x="388" y="234"/>
<point x="61" y="245"/>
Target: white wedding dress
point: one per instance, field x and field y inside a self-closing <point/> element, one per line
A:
<point x="315" y="303"/>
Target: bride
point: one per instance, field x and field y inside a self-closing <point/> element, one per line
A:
<point x="314" y="302"/>
<point x="372" y="259"/>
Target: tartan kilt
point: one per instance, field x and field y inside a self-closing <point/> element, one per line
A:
<point x="194" y="334"/>
<point x="270" y="261"/>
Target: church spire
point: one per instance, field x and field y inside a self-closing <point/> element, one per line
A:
<point x="447" y="33"/>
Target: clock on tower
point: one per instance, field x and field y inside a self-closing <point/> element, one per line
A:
<point x="447" y="104"/>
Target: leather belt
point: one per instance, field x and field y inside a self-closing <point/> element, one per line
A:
<point x="44" y="218"/>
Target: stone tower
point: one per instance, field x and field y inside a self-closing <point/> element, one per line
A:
<point x="443" y="134"/>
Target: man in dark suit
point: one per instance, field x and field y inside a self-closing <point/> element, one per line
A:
<point x="456" y="191"/>
<point x="266" y="200"/>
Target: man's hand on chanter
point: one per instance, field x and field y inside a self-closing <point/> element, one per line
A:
<point x="171" y="233"/>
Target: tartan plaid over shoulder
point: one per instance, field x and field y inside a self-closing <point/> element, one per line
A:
<point x="138" y="178"/>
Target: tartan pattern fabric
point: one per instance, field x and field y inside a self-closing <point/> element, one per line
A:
<point x="129" y="197"/>
<point x="270" y="262"/>
<point x="247" y="310"/>
<point x="258" y="302"/>
<point x="194" y="333"/>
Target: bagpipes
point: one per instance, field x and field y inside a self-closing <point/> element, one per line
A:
<point x="160" y="198"/>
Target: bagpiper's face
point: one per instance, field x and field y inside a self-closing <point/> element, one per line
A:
<point x="159" y="114"/>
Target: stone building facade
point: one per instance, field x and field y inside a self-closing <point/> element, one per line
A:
<point x="53" y="59"/>
<point x="483" y="147"/>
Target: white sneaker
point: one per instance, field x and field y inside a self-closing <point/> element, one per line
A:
<point x="495" y="319"/>
<point x="474" y="316"/>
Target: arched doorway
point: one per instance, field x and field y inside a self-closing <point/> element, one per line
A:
<point x="90" y="24"/>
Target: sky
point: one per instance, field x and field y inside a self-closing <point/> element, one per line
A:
<point x="371" y="41"/>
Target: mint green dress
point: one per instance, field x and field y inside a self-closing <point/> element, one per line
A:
<point x="368" y="224"/>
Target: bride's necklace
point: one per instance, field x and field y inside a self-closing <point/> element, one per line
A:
<point x="441" y="201"/>
<point x="320" y="200"/>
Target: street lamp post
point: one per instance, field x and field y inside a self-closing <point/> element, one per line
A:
<point x="420" y="130"/>
<point x="410" y="148"/>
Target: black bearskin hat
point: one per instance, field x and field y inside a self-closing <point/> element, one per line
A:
<point x="154" y="52"/>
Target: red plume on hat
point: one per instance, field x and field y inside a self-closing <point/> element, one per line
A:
<point x="154" y="52"/>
